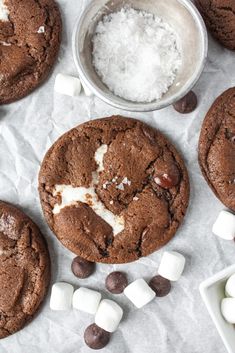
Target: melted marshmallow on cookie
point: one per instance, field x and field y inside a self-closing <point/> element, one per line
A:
<point x="4" y="12"/>
<point x="70" y="196"/>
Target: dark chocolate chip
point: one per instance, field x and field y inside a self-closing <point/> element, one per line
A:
<point x="166" y="175"/>
<point x="165" y="181"/>
<point x="187" y="104"/>
<point x="82" y="268"/>
<point x="95" y="337"/>
<point x="116" y="282"/>
<point x="161" y="286"/>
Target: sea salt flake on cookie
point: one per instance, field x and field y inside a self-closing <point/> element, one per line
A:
<point x="41" y="29"/>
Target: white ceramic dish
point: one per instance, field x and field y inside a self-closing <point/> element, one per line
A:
<point x="212" y="292"/>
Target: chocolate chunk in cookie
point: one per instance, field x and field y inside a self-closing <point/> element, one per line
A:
<point x="99" y="193"/>
<point x="24" y="269"/>
<point x="217" y="149"/>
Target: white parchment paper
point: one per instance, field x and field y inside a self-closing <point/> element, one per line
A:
<point x="178" y="323"/>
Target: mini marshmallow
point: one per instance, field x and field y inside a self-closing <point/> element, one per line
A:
<point x="87" y="92"/>
<point x="69" y="85"/>
<point x="224" y="226"/>
<point x="61" y="296"/>
<point x="139" y="293"/>
<point x="228" y="309"/>
<point x="108" y="315"/>
<point x="230" y="286"/>
<point x="86" y="300"/>
<point x="172" y="265"/>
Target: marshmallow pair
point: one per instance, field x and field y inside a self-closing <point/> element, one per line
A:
<point x="108" y="314"/>
<point x="224" y="226"/>
<point x="63" y="297"/>
<point x="70" y="85"/>
<point x="228" y="304"/>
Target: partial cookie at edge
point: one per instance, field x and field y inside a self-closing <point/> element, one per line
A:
<point x="24" y="269"/>
<point x="27" y="52"/>
<point x="217" y="148"/>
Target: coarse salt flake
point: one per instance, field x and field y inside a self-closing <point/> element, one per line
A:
<point x="136" y="54"/>
<point x="41" y="29"/>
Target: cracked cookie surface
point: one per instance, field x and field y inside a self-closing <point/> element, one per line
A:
<point x="30" y="34"/>
<point x="24" y="269"/>
<point x="217" y="148"/>
<point x="219" y="16"/>
<point x="141" y="180"/>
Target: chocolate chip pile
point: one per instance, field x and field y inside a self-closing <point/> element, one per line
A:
<point x="108" y="314"/>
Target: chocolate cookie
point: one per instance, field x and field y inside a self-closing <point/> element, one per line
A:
<point x="217" y="148"/>
<point x="113" y="190"/>
<point x="219" y="16"/>
<point x="30" y="32"/>
<point x="24" y="269"/>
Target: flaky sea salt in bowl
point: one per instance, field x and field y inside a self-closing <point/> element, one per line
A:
<point x="121" y="69"/>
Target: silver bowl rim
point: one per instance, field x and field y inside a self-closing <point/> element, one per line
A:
<point x="132" y="106"/>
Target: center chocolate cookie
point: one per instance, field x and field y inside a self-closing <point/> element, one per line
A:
<point x="24" y="269"/>
<point x="113" y="190"/>
<point x="30" y="32"/>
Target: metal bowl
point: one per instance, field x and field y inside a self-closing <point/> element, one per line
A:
<point x="182" y="15"/>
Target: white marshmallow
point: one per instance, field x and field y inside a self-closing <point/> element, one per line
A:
<point x="230" y="287"/>
<point x="108" y="315"/>
<point x="139" y="293"/>
<point x="4" y="12"/>
<point x="172" y="265"/>
<point x="61" y="296"/>
<point x="71" y="195"/>
<point x="228" y="309"/>
<point x="224" y="226"/>
<point x="87" y="92"/>
<point x="69" y="85"/>
<point x="86" y="300"/>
